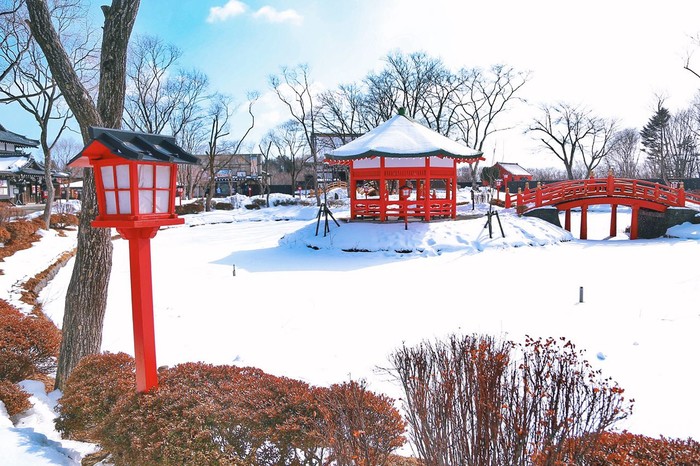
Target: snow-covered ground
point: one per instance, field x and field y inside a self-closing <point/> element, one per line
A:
<point x="260" y="288"/>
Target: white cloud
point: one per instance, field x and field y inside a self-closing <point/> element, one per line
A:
<point x="229" y="10"/>
<point x="270" y="14"/>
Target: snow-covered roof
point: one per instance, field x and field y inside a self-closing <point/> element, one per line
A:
<point x="401" y="136"/>
<point x="514" y="168"/>
<point x="13" y="163"/>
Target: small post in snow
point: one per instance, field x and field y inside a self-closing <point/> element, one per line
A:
<point x="580" y="294"/>
<point x="234" y="270"/>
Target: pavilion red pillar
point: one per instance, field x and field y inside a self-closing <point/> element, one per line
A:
<point x="383" y="194"/>
<point x="142" y="305"/>
<point x="584" y="222"/>
<point x="613" y="220"/>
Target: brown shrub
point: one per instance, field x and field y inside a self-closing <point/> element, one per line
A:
<point x="15" y="399"/>
<point x="475" y="400"/>
<point x="8" y="212"/>
<point x="364" y="428"/>
<point x="91" y="391"/>
<point x="22" y="229"/>
<point x="204" y="414"/>
<point x="28" y="344"/>
<point x="397" y="460"/>
<point x="223" y="206"/>
<point x="62" y="221"/>
<point x="4" y="234"/>
<point x="191" y="208"/>
<point x="626" y="449"/>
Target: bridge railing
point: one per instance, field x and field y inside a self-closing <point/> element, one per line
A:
<point x="557" y="193"/>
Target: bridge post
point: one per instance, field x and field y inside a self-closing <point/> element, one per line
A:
<point x="611" y="183"/>
<point x="567" y="220"/>
<point x="681" y="195"/>
<point x="634" y="227"/>
<point x="538" y="195"/>
<point x="584" y="222"/>
<point x="613" y="220"/>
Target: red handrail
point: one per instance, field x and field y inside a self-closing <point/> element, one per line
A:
<point x="570" y="190"/>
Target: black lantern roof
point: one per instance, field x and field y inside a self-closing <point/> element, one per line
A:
<point x="137" y="146"/>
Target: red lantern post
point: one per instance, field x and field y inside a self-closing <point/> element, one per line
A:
<point x="136" y="183"/>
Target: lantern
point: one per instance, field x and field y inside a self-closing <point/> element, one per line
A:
<point x="404" y="192"/>
<point x="135" y="185"/>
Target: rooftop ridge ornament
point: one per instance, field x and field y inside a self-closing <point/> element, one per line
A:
<point x="135" y="184"/>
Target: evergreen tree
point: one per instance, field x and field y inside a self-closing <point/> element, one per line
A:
<point x="655" y="141"/>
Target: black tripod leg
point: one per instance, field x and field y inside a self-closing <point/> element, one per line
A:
<point x="318" y="219"/>
<point x="499" y="225"/>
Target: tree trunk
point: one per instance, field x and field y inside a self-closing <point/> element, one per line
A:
<point x="86" y="298"/>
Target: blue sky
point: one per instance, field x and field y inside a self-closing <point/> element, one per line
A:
<point x="611" y="56"/>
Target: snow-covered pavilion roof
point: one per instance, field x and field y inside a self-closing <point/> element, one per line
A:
<point x="401" y="136"/>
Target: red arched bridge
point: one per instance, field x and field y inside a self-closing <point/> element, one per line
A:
<point x="636" y="194"/>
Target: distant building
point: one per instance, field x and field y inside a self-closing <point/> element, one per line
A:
<point x="513" y="172"/>
<point x="21" y="177"/>
<point x="236" y="174"/>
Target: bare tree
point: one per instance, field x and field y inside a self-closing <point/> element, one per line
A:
<point x="292" y="150"/>
<point x="296" y="93"/>
<point x="624" y="156"/>
<point x="220" y="151"/>
<point x="598" y="145"/>
<point x="483" y="98"/>
<point x="563" y="130"/>
<point x="265" y="148"/>
<point x="86" y="297"/>
<point x="340" y="114"/>
<point x="161" y="100"/>
<point x="683" y="145"/>
<point x="13" y="50"/>
<point x="29" y="82"/>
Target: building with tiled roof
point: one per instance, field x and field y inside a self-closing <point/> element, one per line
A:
<point x="21" y="177"/>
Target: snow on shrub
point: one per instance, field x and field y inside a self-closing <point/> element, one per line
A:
<point x="479" y="401"/>
<point x="28" y="344"/>
<point x="91" y="391"/>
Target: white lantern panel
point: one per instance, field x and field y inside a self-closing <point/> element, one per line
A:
<point x="163" y="176"/>
<point x="124" y="201"/>
<point x="145" y="201"/>
<point x="145" y="176"/>
<point x="107" y="177"/>
<point x="111" y="202"/>
<point x="162" y="202"/>
<point x="122" y="176"/>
